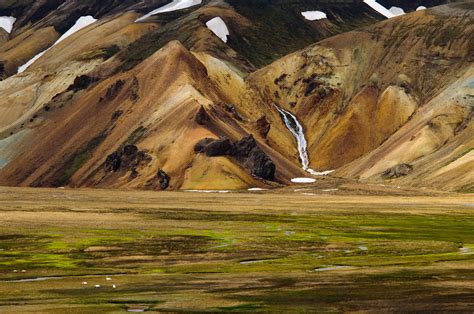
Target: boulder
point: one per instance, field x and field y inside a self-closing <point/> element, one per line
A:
<point x="220" y="147"/>
<point x="81" y="82"/>
<point x="163" y="179"/>
<point x="398" y="171"/>
<point x="245" y="146"/>
<point x="246" y="152"/>
<point x="202" y="144"/>
<point x="260" y="164"/>
<point x="231" y="109"/>
<point x="202" y="117"/>
<point x="113" y="162"/>
<point x="127" y="158"/>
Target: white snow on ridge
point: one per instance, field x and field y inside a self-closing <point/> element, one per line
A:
<point x="379" y="8"/>
<point x="397" y="11"/>
<point x="6" y="22"/>
<point x="173" y="6"/>
<point x="82" y="22"/>
<point x="25" y="66"/>
<point x="314" y="15"/>
<point x="421" y="7"/>
<point x="219" y="28"/>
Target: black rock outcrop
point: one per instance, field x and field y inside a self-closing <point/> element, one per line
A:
<point x="202" y="117"/>
<point x="164" y="179"/>
<point x="127" y="158"/>
<point x="82" y="82"/>
<point x="114" y="90"/>
<point x="246" y="152"/>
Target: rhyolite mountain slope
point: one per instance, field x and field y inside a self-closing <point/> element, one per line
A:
<point x="400" y="92"/>
<point x="165" y="104"/>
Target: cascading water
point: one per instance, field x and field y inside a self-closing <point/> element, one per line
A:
<point x="297" y="131"/>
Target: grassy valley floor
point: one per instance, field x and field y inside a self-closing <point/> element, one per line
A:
<point x="118" y="251"/>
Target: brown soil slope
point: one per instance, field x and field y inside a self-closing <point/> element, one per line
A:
<point x="398" y="92"/>
<point x="123" y="104"/>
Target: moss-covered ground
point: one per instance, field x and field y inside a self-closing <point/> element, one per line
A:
<point x="236" y="252"/>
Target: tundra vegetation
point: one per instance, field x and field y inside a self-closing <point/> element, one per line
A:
<point x="301" y="249"/>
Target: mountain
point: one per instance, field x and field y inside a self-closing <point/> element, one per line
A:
<point x="95" y="95"/>
<point x="397" y="93"/>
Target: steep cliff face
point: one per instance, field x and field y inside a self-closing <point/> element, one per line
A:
<point x="164" y="103"/>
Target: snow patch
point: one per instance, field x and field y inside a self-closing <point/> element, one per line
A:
<point x="219" y="28"/>
<point x="320" y="173"/>
<point x="331" y="190"/>
<point x="6" y="22"/>
<point x="397" y="11"/>
<point x="465" y="251"/>
<point x="314" y="15"/>
<point x="329" y="268"/>
<point x="303" y="180"/>
<point x="254" y="261"/>
<point x="173" y="6"/>
<point x="81" y="23"/>
<point x="420" y="8"/>
<point x="207" y="191"/>
<point x="257" y="189"/>
<point x="379" y="8"/>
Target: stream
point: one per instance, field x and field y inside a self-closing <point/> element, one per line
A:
<point x="297" y="130"/>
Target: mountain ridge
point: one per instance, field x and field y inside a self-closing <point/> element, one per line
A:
<point x="143" y="96"/>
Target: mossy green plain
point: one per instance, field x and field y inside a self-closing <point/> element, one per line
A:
<point x="238" y="252"/>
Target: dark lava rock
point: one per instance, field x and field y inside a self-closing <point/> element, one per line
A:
<point x="117" y="114"/>
<point x="133" y="174"/>
<point x="127" y="158"/>
<point x="263" y="126"/>
<point x="230" y="108"/>
<point x="233" y="110"/>
<point x="309" y="88"/>
<point x="202" y="117"/>
<point x="221" y="147"/>
<point x="114" y="89"/>
<point x="255" y="159"/>
<point x="246" y="151"/>
<point x="202" y="144"/>
<point x="113" y="162"/>
<point x="81" y="82"/>
<point x="261" y="165"/>
<point x="397" y="171"/>
<point x="245" y="146"/>
<point x="134" y="91"/>
<point x="130" y="150"/>
<point x="164" y="179"/>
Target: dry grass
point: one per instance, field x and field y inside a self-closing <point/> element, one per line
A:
<point x="183" y="251"/>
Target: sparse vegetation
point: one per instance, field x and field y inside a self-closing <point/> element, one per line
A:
<point x="163" y="250"/>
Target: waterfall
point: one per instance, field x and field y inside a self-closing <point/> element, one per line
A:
<point x="297" y="131"/>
